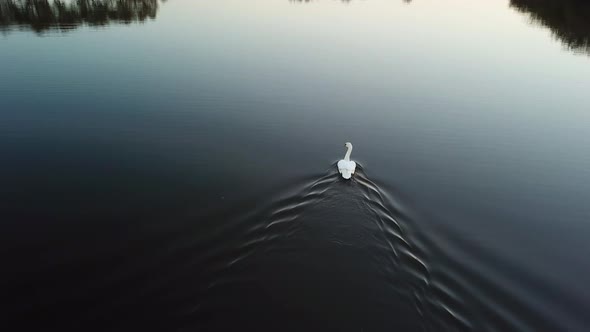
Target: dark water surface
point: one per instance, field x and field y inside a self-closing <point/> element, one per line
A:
<point x="170" y="166"/>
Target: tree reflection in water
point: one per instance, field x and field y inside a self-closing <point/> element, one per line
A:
<point x="568" y="20"/>
<point x="42" y="15"/>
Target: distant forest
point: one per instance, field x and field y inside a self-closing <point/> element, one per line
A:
<point x="41" y="15"/>
<point x="569" y="20"/>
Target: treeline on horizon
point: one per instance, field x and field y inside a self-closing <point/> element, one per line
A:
<point x="41" y="15"/>
<point x="569" y="20"/>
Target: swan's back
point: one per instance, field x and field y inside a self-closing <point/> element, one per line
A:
<point x="346" y="168"/>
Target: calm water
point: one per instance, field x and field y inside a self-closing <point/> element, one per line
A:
<point x="170" y="166"/>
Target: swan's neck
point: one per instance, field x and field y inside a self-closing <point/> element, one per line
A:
<point x="348" y="152"/>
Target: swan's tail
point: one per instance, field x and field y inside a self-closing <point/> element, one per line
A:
<point x="346" y="173"/>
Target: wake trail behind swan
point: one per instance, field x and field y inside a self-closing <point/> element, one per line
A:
<point x="332" y="243"/>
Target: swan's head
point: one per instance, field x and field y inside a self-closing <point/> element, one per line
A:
<point x="348" y="145"/>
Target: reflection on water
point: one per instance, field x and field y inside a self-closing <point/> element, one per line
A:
<point x="569" y="20"/>
<point x="41" y="15"/>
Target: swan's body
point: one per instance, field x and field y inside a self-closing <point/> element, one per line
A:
<point x="346" y="166"/>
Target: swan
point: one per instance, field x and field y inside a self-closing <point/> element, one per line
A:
<point x="346" y="166"/>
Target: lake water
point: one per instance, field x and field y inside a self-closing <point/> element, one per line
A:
<point x="171" y="166"/>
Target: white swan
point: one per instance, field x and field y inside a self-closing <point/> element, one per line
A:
<point x="346" y="166"/>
